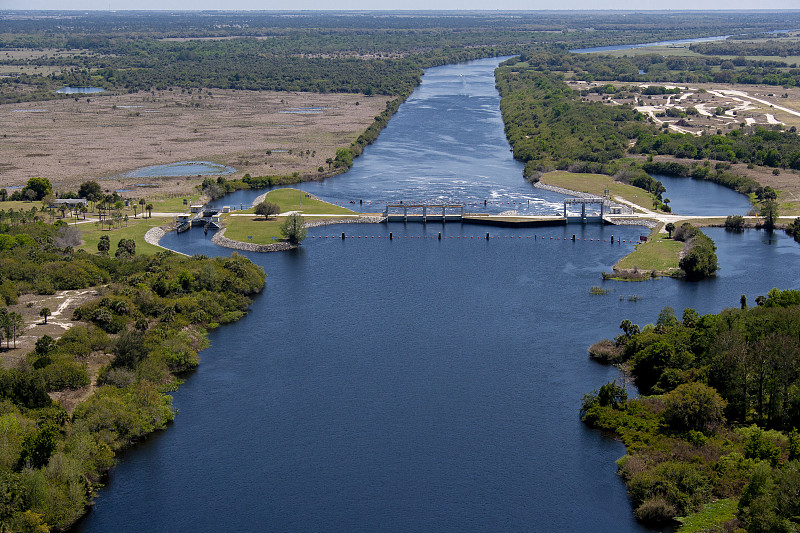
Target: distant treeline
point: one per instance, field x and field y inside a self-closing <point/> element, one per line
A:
<point x="658" y="68"/>
<point x="738" y="48"/>
<point x="373" y="53"/>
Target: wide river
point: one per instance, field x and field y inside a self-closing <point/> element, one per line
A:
<point x="419" y="384"/>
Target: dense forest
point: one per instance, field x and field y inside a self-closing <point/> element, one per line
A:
<point x="372" y="53"/>
<point x="663" y="68"/>
<point x="718" y="415"/>
<point x="143" y="330"/>
<point x="549" y="126"/>
<point x="729" y="47"/>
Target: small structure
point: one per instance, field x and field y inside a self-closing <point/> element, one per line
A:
<point x="583" y="201"/>
<point x="69" y="202"/>
<point x="426" y="215"/>
<point x="226" y="209"/>
<point x="195" y="208"/>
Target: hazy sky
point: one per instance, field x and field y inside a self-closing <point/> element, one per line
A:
<point x="395" y="4"/>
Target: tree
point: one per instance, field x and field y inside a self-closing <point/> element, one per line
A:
<point x="126" y="248"/>
<point x="90" y="190"/>
<point x="670" y="227"/>
<point x="629" y="328"/>
<point x="104" y="245"/>
<point x="149" y="208"/>
<point x="267" y="208"/>
<point x="13" y="324"/>
<point x="693" y="407"/>
<point x="294" y="229"/>
<point x="45" y="312"/>
<point x="40" y="186"/>
<point x="769" y="212"/>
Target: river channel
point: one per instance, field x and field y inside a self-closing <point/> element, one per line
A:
<point x="418" y="384"/>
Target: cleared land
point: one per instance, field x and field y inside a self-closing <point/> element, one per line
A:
<point x="101" y="137"/>
<point x="751" y="105"/>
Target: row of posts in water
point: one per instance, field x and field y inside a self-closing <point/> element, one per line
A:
<point x="391" y="237"/>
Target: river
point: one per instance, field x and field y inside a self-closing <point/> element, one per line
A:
<point x="417" y="384"/>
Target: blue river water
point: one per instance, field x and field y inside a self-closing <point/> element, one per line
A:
<point x="418" y="384"/>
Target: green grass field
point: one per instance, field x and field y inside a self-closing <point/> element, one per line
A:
<point x="173" y="205"/>
<point x="296" y="200"/>
<point x="658" y="253"/>
<point x="135" y="230"/>
<point x="710" y="518"/>
<point x="262" y="231"/>
<point x="596" y="184"/>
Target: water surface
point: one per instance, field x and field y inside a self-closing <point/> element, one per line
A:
<point x="689" y="196"/>
<point x="79" y="90"/>
<point x="417" y="384"/>
<point x="181" y="168"/>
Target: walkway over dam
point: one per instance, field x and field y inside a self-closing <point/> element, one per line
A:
<point x="417" y="212"/>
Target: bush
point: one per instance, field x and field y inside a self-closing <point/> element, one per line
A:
<point x="734" y="223"/>
<point x="693" y="407"/>
<point x="605" y="351"/>
<point x="63" y="375"/>
<point x="655" y="511"/>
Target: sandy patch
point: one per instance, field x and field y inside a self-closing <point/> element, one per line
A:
<point x="61" y="305"/>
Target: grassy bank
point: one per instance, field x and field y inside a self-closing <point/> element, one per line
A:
<point x="258" y="230"/>
<point x="658" y="254"/>
<point x="295" y="200"/>
<point x="597" y="184"/>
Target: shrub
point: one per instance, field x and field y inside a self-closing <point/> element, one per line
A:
<point x="693" y="407"/>
<point x="655" y="511"/>
<point x="605" y="351"/>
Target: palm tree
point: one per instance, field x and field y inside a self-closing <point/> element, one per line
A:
<point x="149" y="210"/>
<point x="45" y="312"/>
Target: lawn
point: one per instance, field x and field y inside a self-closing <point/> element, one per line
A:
<point x="295" y="200"/>
<point x="710" y="518"/>
<point x="173" y="205"/>
<point x="658" y="253"/>
<point x="135" y="230"/>
<point x="596" y="184"/>
<point x="262" y="231"/>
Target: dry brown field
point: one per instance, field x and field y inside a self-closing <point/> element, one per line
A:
<point x="101" y="138"/>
